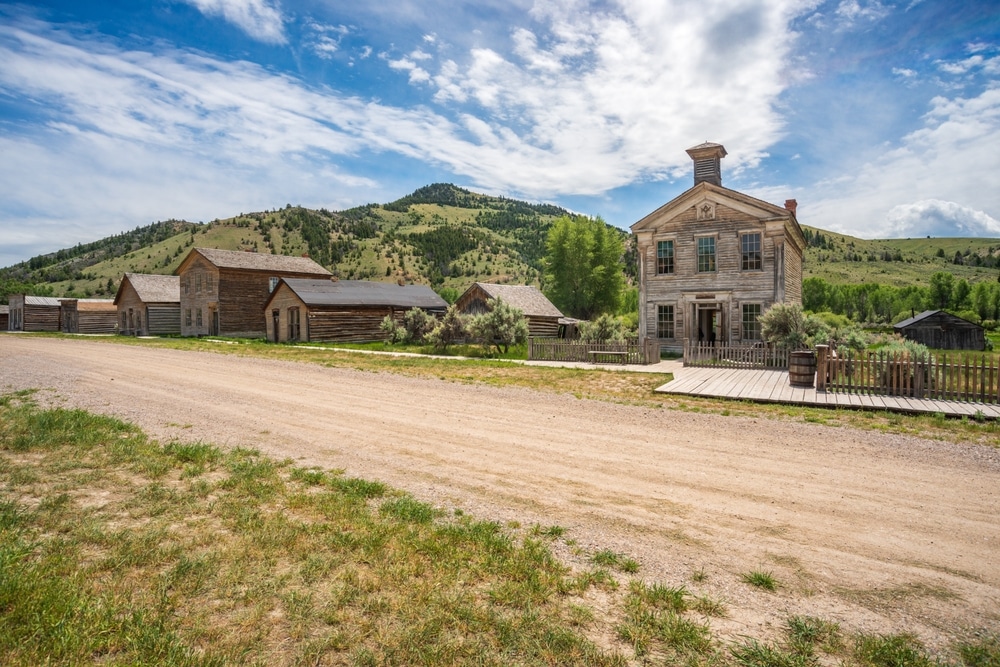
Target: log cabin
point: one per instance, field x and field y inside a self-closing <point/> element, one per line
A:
<point x="543" y="317"/>
<point x="943" y="331"/>
<point x="33" y="313"/>
<point x="149" y="305"/>
<point x="712" y="260"/>
<point x="88" y="316"/>
<point x="223" y="292"/>
<point x="318" y="310"/>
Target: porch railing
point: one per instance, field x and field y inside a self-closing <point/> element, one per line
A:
<point x="725" y="355"/>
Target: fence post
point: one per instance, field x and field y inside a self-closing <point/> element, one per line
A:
<point x="821" y="352"/>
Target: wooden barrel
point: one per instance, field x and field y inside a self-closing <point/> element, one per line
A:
<point x="802" y="368"/>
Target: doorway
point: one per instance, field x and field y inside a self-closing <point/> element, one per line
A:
<point x="708" y="320"/>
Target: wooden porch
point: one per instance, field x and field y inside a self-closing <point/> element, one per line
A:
<point x="771" y="386"/>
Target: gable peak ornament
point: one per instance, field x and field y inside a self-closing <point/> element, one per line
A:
<point x="705" y="210"/>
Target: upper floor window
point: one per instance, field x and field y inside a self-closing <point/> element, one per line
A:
<point x="197" y="284"/>
<point x="209" y="283"/>
<point x="272" y="283"/>
<point x="706" y="254"/>
<point x="664" y="257"/>
<point x="750" y="252"/>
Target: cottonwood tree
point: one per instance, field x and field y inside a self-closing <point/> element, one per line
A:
<point x="583" y="267"/>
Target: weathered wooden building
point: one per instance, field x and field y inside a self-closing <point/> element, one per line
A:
<point x="88" y="316"/>
<point x="148" y="305"/>
<point x="543" y="317"/>
<point x="33" y="313"/>
<point x="4" y="317"/>
<point x="324" y="310"/>
<point x="712" y="260"/>
<point x="943" y="331"/>
<point x="223" y="292"/>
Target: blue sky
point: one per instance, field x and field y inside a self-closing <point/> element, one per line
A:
<point x="881" y="118"/>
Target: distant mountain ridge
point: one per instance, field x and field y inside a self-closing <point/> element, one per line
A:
<point x="447" y="237"/>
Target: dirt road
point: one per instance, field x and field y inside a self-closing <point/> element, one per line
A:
<point x="877" y="532"/>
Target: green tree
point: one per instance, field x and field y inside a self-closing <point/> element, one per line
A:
<point x="960" y="294"/>
<point x="583" y="267"/>
<point x="942" y="287"/>
<point x="502" y="326"/>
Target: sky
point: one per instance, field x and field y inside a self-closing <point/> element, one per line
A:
<point x="881" y="118"/>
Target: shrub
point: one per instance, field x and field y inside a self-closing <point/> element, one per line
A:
<point x="451" y="329"/>
<point x="503" y="326"/>
<point x="417" y="323"/>
<point x="605" y="329"/>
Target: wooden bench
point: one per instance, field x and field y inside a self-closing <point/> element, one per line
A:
<point x="616" y="356"/>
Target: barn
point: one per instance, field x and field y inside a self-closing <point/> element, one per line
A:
<point x="325" y="310"/>
<point x="88" y="316"/>
<point x="223" y="292"/>
<point x="149" y="305"/>
<point x="33" y="313"/>
<point x="543" y="317"/>
<point x="943" y="331"/>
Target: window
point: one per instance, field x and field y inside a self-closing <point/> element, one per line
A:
<point x="209" y="286"/>
<point x="664" y="257"/>
<point x="750" y="252"/>
<point x="187" y="317"/>
<point x="706" y="254"/>
<point x="272" y="283"/>
<point x="664" y="321"/>
<point x="197" y="284"/>
<point x="293" y="323"/>
<point x="751" y="325"/>
<point x="198" y="315"/>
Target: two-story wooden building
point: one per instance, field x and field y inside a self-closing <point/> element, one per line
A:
<point x="712" y="260"/>
<point x="223" y="292"/>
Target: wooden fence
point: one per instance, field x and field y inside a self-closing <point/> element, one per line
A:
<point x="735" y="356"/>
<point x="559" y="349"/>
<point x="946" y="377"/>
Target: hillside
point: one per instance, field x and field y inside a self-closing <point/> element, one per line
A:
<point x="841" y="259"/>
<point x="440" y="235"/>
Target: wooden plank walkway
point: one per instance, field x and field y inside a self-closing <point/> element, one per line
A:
<point x="768" y="386"/>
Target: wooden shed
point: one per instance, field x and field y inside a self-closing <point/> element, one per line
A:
<point x="543" y="317"/>
<point x="223" y="292"/>
<point x="33" y="313"/>
<point x="943" y="331"/>
<point x="88" y="316"/>
<point x="318" y="310"/>
<point x="4" y="317"/>
<point x="148" y="305"/>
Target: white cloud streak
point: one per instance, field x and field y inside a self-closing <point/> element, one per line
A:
<point x="257" y="18"/>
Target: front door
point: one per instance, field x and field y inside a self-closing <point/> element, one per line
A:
<point x="276" y="324"/>
<point x="213" y="321"/>
<point x="708" y="320"/>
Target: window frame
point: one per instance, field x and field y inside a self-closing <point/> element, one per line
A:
<point x="272" y="283"/>
<point x="661" y="268"/>
<point x="745" y="254"/>
<point x="754" y="324"/>
<point x="199" y="318"/>
<point x="294" y="324"/>
<point x="661" y="321"/>
<point x="711" y="259"/>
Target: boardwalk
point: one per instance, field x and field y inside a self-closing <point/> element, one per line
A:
<point x="769" y="386"/>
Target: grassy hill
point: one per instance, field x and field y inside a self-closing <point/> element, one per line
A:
<point x="841" y="259"/>
<point x="440" y="235"/>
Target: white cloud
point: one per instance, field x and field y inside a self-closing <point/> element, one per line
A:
<point x="258" y="18"/>
<point x="952" y="162"/>
<point x="853" y="11"/>
<point x="904" y="72"/>
<point x="933" y="217"/>
<point x="324" y="40"/>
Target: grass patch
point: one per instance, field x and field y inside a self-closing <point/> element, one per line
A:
<point x="761" y="579"/>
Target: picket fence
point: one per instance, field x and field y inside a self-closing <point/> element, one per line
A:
<point x="559" y="349"/>
<point x="719" y="355"/>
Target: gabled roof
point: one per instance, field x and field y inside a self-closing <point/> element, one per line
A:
<point x="320" y="292"/>
<point x="927" y="314"/>
<point x="526" y="298"/>
<point x="152" y="288"/>
<point x="255" y="261"/>
<point x="689" y="197"/>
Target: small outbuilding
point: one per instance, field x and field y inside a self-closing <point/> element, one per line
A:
<point x="325" y="310"/>
<point x="943" y="331"/>
<point x="33" y="313"/>
<point x="543" y="317"/>
<point x="149" y="305"/>
<point x="88" y="316"/>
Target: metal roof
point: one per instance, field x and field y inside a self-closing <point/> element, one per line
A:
<point x="928" y="313"/>
<point x="30" y="300"/>
<point x="154" y="288"/>
<point x="259" y="261"/>
<point x="526" y="298"/>
<point x="318" y="292"/>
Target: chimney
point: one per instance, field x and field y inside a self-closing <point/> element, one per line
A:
<point x="791" y="205"/>
<point x="707" y="165"/>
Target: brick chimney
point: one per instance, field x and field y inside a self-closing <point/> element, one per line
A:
<point x="791" y="205"/>
<point x="707" y="165"/>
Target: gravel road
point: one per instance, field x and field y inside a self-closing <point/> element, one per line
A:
<point x="881" y="533"/>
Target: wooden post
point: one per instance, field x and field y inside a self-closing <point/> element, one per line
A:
<point x="821" y="356"/>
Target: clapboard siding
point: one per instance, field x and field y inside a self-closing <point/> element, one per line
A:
<point x="349" y="325"/>
<point x="163" y="320"/>
<point x="26" y="316"/>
